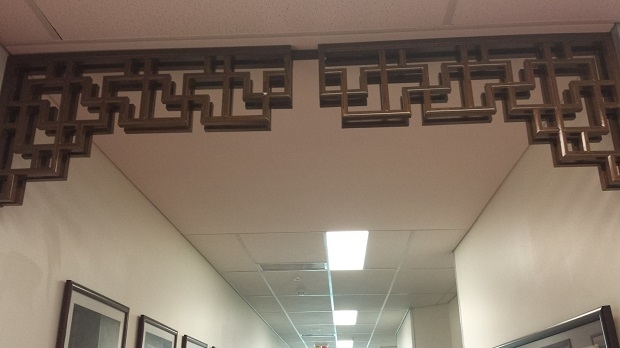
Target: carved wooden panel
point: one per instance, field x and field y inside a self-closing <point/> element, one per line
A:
<point x="564" y="87"/>
<point x="52" y="105"/>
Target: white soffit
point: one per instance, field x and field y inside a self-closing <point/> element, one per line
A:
<point x="535" y="11"/>
<point x="113" y="25"/>
<point x="116" y="19"/>
<point x="20" y="21"/>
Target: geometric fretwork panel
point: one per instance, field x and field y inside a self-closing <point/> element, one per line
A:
<point x="52" y="105"/>
<point x="565" y="87"/>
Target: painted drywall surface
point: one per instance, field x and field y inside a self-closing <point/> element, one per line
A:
<point x="4" y="55"/>
<point x="98" y="230"/>
<point x="544" y="250"/>
<point x="404" y="337"/>
<point x="455" y="323"/>
<point x="431" y="327"/>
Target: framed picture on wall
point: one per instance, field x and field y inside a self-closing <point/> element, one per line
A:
<point x="561" y="344"/>
<point x="594" y="329"/>
<point x="153" y="334"/>
<point x="189" y="342"/>
<point x="89" y="319"/>
<point x="598" y="341"/>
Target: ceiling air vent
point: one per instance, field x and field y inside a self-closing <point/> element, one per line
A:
<point x="302" y="266"/>
<point x="311" y="336"/>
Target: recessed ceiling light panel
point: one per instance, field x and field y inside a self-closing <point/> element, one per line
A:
<point x="346" y="250"/>
<point x="344" y="344"/>
<point x="348" y="317"/>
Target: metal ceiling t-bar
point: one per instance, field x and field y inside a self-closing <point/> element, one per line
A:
<point x="549" y="82"/>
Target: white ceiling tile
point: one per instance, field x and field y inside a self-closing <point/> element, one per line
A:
<point x="311" y="318"/>
<point x="290" y="283"/>
<point x="431" y="280"/>
<point x="383" y="340"/>
<point x="474" y="12"/>
<point x="367" y="317"/>
<point x="289" y="337"/>
<point x="305" y="303"/>
<point x="223" y="251"/>
<point x="398" y="302"/>
<point x="264" y="304"/>
<point x="359" y="302"/>
<point x="390" y="321"/>
<point x="296" y="345"/>
<point x="385" y="249"/>
<point x="447" y="298"/>
<point x="432" y="248"/>
<point x="247" y="283"/>
<point x="360" y="344"/>
<point x="276" y="319"/>
<point x="356" y="337"/>
<point x="315" y="329"/>
<point x="284" y="329"/>
<point x="362" y="282"/>
<point x="286" y="247"/>
<point x="357" y="328"/>
<point x="321" y="341"/>
<point x="20" y="24"/>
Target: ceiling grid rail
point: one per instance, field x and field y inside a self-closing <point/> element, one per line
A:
<point x="565" y="87"/>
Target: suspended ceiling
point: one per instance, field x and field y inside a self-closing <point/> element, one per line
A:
<point x="52" y="25"/>
<point x="244" y="199"/>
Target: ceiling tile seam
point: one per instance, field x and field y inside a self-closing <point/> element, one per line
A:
<point x="387" y="296"/>
<point x="245" y="248"/>
<point x="490" y="200"/>
<point x="422" y="268"/>
<point x="447" y="20"/>
<point x="435" y="29"/>
<point x="144" y="195"/>
<point x="330" y="285"/>
<point x="304" y="232"/>
<point x="36" y="10"/>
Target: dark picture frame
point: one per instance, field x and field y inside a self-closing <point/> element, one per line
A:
<point x="597" y="339"/>
<point x="601" y="321"/>
<point x="190" y="342"/>
<point x="562" y="344"/>
<point x="90" y="319"/>
<point x="153" y="334"/>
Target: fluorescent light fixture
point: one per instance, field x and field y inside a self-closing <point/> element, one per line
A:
<point x="346" y="250"/>
<point x="344" y="344"/>
<point x="345" y="317"/>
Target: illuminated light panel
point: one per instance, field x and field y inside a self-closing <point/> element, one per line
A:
<point x="344" y="344"/>
<point x="345" y="317"/>
<point x="346" y="250"/>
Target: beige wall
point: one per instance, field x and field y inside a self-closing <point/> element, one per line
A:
<point x="98" y="230"/>
<point x="431" y="327"/>
<point x="455" y="323"/>
<point x="404" y="336"/>
<point x="3" y="57"/>
<point x="545" y="249"/>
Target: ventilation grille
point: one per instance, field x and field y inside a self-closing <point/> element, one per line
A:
<point x="304" y="266"/>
